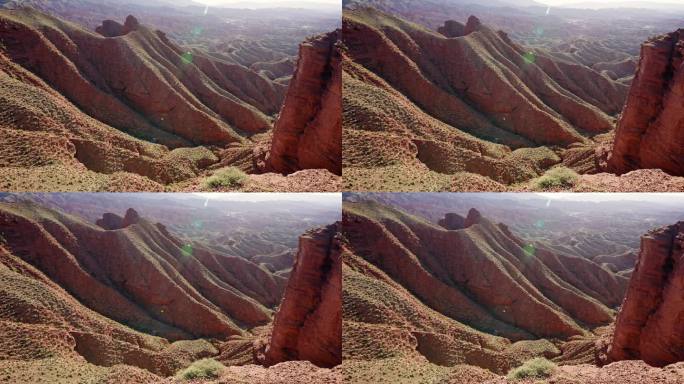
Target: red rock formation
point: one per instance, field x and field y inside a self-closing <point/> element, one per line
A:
<point x="474" y="217"/>
<point x="39" y="319"/>
<point x="649" y="133"/>
<point x="110" y="221"/>
<point x="308" y="132"/>
<point x="111" y="28"/>
<point x="650" y="325"/>
<point x="473" y="24"/>
<point x="141" y="275"/>
<point x="483" y="275"/>
<point x="424" y="110"/>
<point x="452" y="221"/>
<point x="140" y="83"/>
<point x="456" y="83"/>
<point x="451" y="28"/>
<point x="308" y="324"/>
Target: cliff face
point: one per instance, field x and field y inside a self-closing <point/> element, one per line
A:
<point x="308" y="324"/>
<point x="308" y="132"/>
<point x="650" y="325"/>
<point x="650" y="133"/>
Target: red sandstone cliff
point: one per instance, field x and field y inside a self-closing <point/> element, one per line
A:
<point x="308" y="324"/>
<point x="308" y="133"/>
<point x="650" y="133"/>
<point x="650" y="325"/>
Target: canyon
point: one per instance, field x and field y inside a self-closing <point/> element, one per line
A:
<point x="463" y="299"/>
<point x="432" y="103"/>
<point x="125" y="299"/>
<point x="122" y="107"/>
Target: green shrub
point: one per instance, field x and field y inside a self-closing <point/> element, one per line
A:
<point x="559" y="177"/>
<point x="226" y="177"/>
<point x="537" y="368"/>
<point x="201" y="369"/>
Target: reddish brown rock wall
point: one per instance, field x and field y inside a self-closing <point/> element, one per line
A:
<point x="308" y="325"/>
<point x="650" y="133"/>
<point x="650" y="325"/>
<point x="308" y="133"/>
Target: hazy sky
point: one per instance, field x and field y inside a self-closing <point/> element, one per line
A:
<point x="601" y="3"/>
<point x="651" y="197"/>
<point x="326" y="198"/>
<point x="272" y="3"/>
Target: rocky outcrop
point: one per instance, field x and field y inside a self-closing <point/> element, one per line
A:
<point x="308" y="132"/>
<point x="110" y="221"/>
<point x="474" y="217"/>
<point x="650" y="324"/>
<point x="308" y="324"/>
<point x="473" y="24"/>
<point x="452" y="221"/>
<point x="649" y="133"/>
<point x="451" y="28"/>
<point x="111" y="28"/>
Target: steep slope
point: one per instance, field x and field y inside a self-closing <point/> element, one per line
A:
<point x="649" y="326"/>
<point x="139" y="274"/>
<point x="473" y="102"/>
<point x="140" y="81"/>
<point x="133" y="111"/>
<point x="308" y="133"/>
<point x="421" y="304"/>
<point x="537" y="293"/>
<point x="308" y="324"/>
<point x="42" y="322"/>
<point x="105" y="302"/>
<point x="649" y="133"/>
<point x="44" y="134"/>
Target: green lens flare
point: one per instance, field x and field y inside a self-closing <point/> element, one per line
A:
<point x="539" y="224"/>
<point x="529" y="57"/>
<point x="529" y="250"/>
<point x="196" y="31"/>
<point x="186" y="58"/>
<point x="186" y="250"/>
